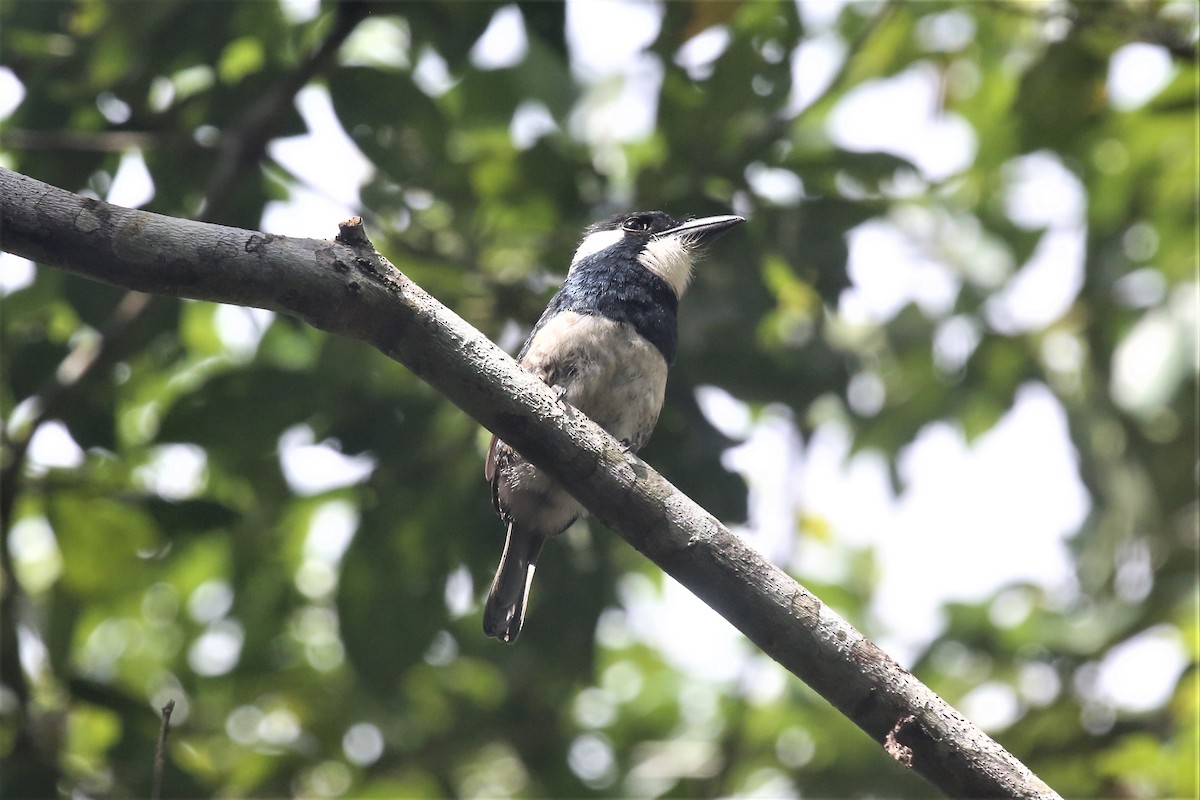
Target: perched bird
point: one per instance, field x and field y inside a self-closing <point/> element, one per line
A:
<point x="604" y="344"/>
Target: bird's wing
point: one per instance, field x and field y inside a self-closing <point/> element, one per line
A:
<point x="489" y="466"/>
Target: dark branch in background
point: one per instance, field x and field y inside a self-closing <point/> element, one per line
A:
<point x="95" y="141"/>
<point x="1137" y="22"/>
<point x="347" y="288"/>
<point x="240" y="149"/>
<point x="76" y="371"/>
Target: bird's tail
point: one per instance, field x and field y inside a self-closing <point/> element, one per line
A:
<point x="505" y="608"/>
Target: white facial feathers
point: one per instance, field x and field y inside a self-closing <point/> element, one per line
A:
<point x="668" y="257"/>
<point x="671" y="258"/>
<point x="595" y="242"/>
<point x="665" y="248"/>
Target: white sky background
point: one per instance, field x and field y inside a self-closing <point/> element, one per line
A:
<point x="972" y="517"/>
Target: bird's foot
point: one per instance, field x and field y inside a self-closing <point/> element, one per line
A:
<point x="560" y="394"/>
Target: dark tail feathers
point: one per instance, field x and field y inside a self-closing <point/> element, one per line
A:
<point x="505" y="608"/>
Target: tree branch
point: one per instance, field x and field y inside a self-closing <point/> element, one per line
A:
<point x="346" y="287"/>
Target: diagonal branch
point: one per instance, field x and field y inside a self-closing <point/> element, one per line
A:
<point x="347" y="288"/>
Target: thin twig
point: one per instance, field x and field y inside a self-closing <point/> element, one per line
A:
<point x="159" y="759"/>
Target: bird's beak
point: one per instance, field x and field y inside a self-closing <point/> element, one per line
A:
<point x="704" y="230"/>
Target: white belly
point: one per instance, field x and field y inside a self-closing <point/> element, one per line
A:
<point x="608" y="372"/>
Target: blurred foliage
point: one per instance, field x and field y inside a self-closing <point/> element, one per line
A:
<point x="323" y="640"/>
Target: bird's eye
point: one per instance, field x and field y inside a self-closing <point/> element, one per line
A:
<point x="637" y="224"/>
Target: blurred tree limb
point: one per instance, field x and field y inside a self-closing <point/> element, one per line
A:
<point x="245" y="145"/>
<point x="346" y="287"/>
<point x="239" y="150"/>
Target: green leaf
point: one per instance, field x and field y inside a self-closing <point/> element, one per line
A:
<point x="189" y="517"/>
<point x="105" y="544"/>
<point x="1060" y="97"/>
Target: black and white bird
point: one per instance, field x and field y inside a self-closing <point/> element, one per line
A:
<point x="604" y="344"/>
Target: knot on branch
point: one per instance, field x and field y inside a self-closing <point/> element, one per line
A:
<point x="892" y="745"/>
<point x="367" y="259"/>
<point x="353" y="233"/>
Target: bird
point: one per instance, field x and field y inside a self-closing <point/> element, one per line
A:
<point x="604" y="344"/>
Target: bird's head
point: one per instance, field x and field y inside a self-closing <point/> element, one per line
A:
<point x="656" y="242"/>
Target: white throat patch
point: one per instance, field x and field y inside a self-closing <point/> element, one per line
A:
<point x="671" y="259"/>
<point x="595" y="242"/>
